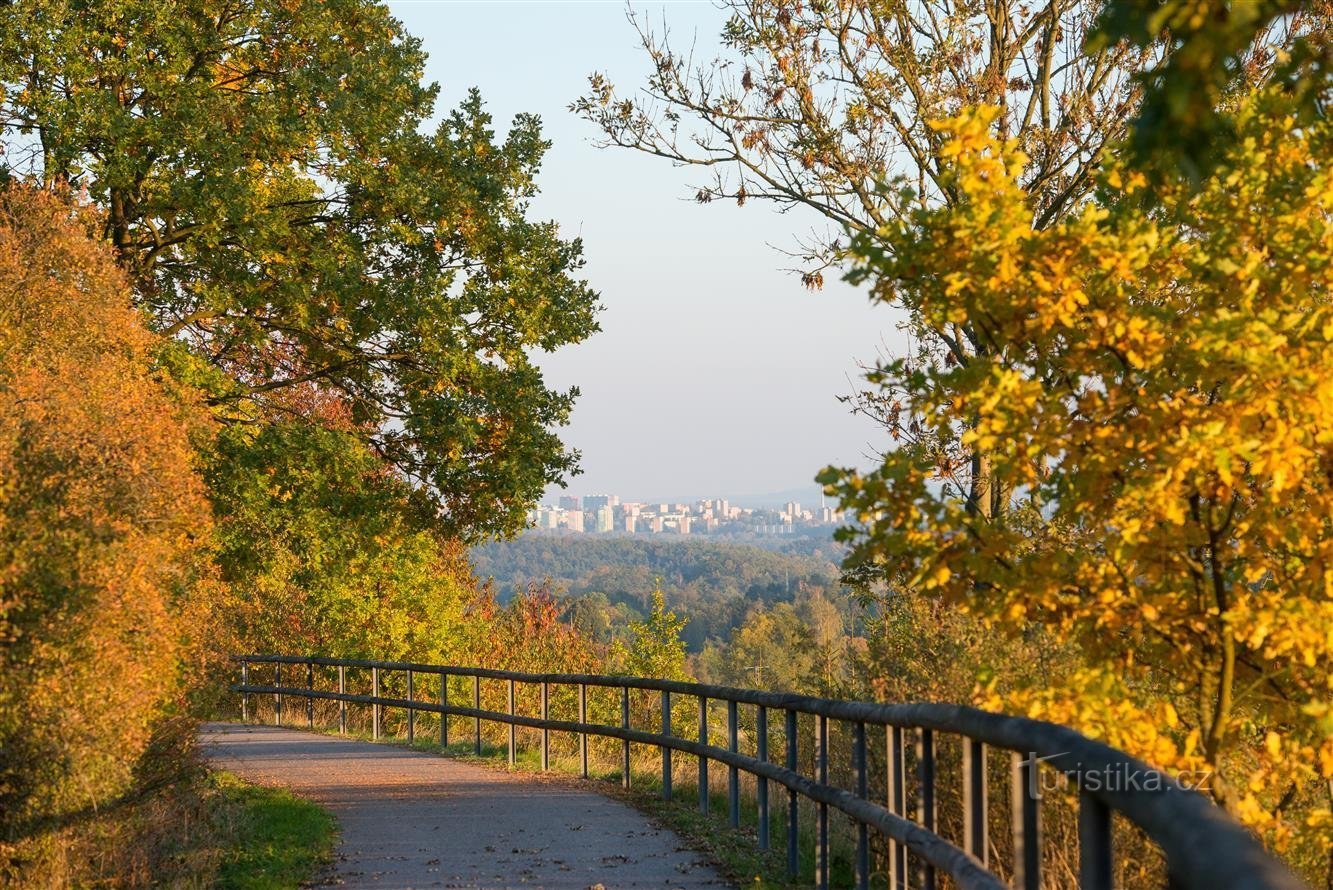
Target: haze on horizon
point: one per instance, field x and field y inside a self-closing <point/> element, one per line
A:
<point x="716" y="373"/>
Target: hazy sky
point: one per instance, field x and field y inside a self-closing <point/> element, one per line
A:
<point x="715" y="371"/>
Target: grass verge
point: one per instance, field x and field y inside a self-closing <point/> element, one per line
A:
<point x="278" y="840"/>
<point x="198" y="830"/>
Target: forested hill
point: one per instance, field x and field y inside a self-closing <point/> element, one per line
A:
<point x="712" y="584"/>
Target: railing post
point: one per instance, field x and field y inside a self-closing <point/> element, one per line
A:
<point x="546" y="733"/>
<point x="761" y="783"/>
<point x="476" y="721"/>
<point x="510" y="701"/>
<point x="821" y="776"/>
<point x="898" y="806"/>
<point x="1095" y="855"/>
<point x="309" y="699"/>
<point x="733" y="773"/>
<point x="342" y="705"/>
<point x="1027" y="828"/>
<point x="583" y="736"/>
<point x="245" y="696"/>
<point x="444" y="703"/>
<point x="624" y="724"/>
<point x="793" y="839"/>
<point x="703" y="759"/>
<point x="277" y="696"/>
<point x="375" y="707"/>
<point x="925" y="759"/>
<point x="666" y="752"/>
<point x="975" y="800"/>
<point x="862" y="791"/>
<point x="411" y="711"/>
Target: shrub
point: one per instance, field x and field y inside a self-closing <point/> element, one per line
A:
<point x="101" y="518"/>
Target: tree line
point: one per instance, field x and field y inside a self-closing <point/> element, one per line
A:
<point x="609" y="582"/>
<point x="266" y="327"/>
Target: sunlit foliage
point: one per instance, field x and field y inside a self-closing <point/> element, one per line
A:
<point x="656" y="648"/>
<point x="1155" y="402"/>
<point x="103" y="520"/>
<point x="323" y="552"/>
<point x="1184" y="123"/>
<point x="271" y="185"/>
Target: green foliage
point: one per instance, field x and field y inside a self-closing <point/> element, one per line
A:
<point x="712" y="584"/>
<point x="270" y="186"/>
<point x="656" y="648"/>
<point x="324" y="551"/>
<point x="280" y="839"/>
<point x="805" y="646"/>
<point x="1184" y="122"/>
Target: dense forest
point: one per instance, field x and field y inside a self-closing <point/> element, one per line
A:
<point x="714" y="585"/>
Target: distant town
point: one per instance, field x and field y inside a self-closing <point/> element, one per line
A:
<point x="607" y="514"/>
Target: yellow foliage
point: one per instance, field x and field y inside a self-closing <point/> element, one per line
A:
<point x="1152" y="396"/>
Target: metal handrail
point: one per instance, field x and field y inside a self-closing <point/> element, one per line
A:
<point x="1203" y="847"/>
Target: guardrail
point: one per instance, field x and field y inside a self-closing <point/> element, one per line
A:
<point x="1203" y="847"/>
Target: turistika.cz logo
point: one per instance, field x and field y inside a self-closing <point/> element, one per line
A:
<point x="1114" y="778"/>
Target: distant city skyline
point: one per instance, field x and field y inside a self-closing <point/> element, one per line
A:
<point x="608" y="514"/>
<point x="811" y="494"/>
<point x="716" y="371"/>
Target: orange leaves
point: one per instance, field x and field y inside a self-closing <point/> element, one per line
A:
<point x="103" y="512"/>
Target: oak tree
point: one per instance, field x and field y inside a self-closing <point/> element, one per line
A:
<point x="273" y="186"/>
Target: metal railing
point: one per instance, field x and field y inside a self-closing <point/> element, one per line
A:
<point x="1202" y="846"/>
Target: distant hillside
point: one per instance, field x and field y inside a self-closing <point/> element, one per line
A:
<point x="713" y="584"/>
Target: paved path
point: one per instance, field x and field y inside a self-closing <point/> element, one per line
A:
<point x="413" y="820"/>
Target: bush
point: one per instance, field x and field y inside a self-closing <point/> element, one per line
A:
<point x="101" y="519"/>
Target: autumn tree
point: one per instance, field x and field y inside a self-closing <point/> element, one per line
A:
<point x="271" y="188"/>
<point x="319" y="554"/>
<point x="1155" y="396"/>
<point x="1184" y="121"/>
<point x="827" y="106"/>
<point x="103" y="518"/>
<point x="770" y="649"/>
<point x="655" y="647"/>
<point x="528" y="634"/>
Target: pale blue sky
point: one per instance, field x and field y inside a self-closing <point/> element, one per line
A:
<point x="715" y="371"/>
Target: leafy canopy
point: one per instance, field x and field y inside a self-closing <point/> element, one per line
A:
<point x="320" y="554"/>
<point x="1184" y="121"/>
<point x="1156" y="399"/>
<point x="271" y="186"/>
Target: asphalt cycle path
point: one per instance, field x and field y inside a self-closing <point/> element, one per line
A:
<point x="409" y="819"/>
